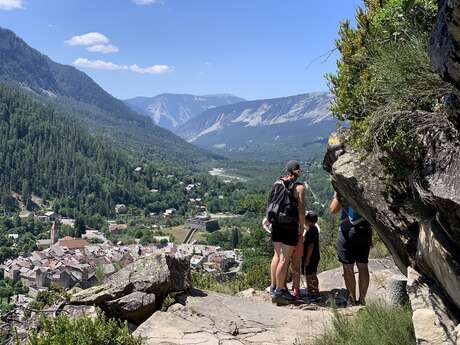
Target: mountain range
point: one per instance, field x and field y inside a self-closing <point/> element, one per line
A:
<point x="268" y="128"/>
<point x="173" y="110"/>
<point x="77" y="95"/>
<point x="224" y="124"/>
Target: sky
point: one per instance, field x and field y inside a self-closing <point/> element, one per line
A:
<point x="254" y="49"/>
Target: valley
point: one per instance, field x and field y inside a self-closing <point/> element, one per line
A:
<point x="135" y="174"/>
<point x="89" y="187"/>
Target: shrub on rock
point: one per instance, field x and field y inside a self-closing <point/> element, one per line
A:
<point x="82" y="331"/>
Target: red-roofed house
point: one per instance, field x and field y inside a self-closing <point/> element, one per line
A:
<point x="72" y="243"/>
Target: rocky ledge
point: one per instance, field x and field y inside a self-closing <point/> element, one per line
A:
<point x="202" y="317"/>
<point x="211" y="318"/>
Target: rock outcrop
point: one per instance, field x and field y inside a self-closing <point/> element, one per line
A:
<point x="433" y="323"/>
<point x="138" y="290"/>
<point x="417" y="219"/>
<point x="418" y="215"/>
<point x="212" y="318"/>
<point x="445" y="41"/>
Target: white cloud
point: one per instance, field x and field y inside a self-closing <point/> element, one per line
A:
<point x="98" y="64"/>
<point x="145" y="2"/>
<point x="8" y="5"/>
<point x="156" y="69"/>
<point x="89" y="39"/>
<point x="105" y="65"/>
<point x="101" y="48"/>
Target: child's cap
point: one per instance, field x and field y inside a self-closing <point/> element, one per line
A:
<point x="311" y="216"/>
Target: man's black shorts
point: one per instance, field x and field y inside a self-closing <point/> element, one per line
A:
<point x="287" y="234"/>
<point x="354" y="243"/>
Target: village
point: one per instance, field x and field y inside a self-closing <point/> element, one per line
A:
<point x="68" y="262"/>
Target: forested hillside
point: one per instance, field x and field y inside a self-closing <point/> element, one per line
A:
<point x="77" y="95"/>
<point x="45" y="153"/>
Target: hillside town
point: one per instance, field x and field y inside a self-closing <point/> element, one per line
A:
<point x="69" y="262"/>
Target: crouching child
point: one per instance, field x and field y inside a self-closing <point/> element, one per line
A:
<point x="311" y="256"/>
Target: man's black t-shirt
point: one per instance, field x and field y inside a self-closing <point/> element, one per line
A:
<point x="312" y="236"/>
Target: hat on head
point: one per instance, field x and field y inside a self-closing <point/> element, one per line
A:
<point x="292" y="166"/>
<point x="311" y="216"/>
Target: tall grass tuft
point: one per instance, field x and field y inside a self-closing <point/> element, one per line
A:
<point x="374" y="325"/>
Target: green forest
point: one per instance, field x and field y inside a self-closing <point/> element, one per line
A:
<point x="45" y="153"/>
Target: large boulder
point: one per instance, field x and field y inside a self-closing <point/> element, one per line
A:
<point x="361" y="182"/>
<point x="387" y="284"/>
<point x="136" y="291"/>
<point x="419" y="219"/>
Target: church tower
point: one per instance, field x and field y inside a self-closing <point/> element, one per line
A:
<point x="54" y="233"/>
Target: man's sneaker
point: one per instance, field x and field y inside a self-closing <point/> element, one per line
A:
<point x="272" y="290"/>
<point x="282" y="297"/>
<point x="314" y="297"/>
<point x="360" y="302"/>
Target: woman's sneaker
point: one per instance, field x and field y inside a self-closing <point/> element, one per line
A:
<point x="296" y="293"/>
<point x="282" y="297"/>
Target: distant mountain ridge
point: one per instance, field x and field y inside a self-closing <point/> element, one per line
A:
<point x="267" y="127"/>
<point x="173" y="110"/>
<point x="76" y="94"/>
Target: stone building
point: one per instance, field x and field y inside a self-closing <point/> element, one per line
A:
<point x="205" y="224"/>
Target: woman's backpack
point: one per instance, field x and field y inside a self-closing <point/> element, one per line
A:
<point x="281" y="208"/>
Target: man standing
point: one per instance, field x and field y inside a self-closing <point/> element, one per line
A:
<point x="286" y="213"/>
<point x="353" y="245"/>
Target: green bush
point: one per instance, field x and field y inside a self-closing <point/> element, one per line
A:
<point x="384" y="70"/>
<point x="375" y="324"/>
<point x="82" y="331"/>
<point x="45" y="299"/>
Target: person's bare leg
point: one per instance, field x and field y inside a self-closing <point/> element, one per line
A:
<point x="283" y="265"/>
<point x="349" y="278"/>
<point x="312" y="284"/>
<point x="296" y="264"/>
<point x="275" y="261"/>
<point x="363" y="281"/>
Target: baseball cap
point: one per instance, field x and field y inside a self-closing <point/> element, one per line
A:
<point x="292" y="166"/>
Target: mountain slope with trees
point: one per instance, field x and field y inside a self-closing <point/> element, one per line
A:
<point x="76" y="94"/>
<point x="44" y="152"/>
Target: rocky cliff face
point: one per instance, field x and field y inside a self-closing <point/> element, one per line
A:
<point x="418" y="217"/>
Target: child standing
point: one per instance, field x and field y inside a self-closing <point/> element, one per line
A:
<point x="311" y="255"/>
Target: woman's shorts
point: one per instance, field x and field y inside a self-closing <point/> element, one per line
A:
<point x="286" y="234"/>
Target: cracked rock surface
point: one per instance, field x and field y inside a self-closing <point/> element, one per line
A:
<point x="208" y="318"/>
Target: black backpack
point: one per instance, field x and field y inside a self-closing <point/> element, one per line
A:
<point x="281" y="209"/>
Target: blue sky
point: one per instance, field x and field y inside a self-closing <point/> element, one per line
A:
<point x="250" y="48"/>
